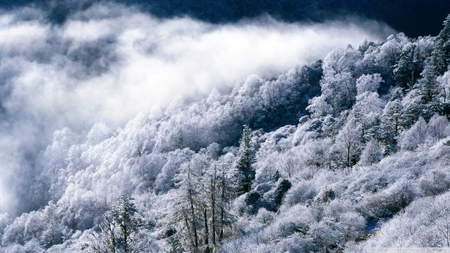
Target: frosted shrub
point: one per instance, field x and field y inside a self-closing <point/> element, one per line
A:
<point x="412" y="138"/>
<point x="438" y="128"/>
<point x="434" y="183"/>
<point x="264" y="216"/>
<point x="391" y="200"/>
<point x="300" y="193"/>
<point x="371" y="154"/>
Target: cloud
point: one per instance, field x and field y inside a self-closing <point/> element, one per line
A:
<point x="109" y="62"/>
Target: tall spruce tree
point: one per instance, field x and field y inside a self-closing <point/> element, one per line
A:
<point x="408" y="67"/>
<point x="441" y="53"/>
<point x="245" y="173"/>
<point x="444" y="34"/>
<point x="438" y="57"/>
<point x="402" y="71"/>
<point x="422" y="100"/>
<point x="428" y="86"/>
<point x="390" y="126"/>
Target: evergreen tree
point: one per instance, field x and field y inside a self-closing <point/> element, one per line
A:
<point x="282" y="187"/>
<point x="441" y="53"/>
<point x="422" y="100"/>
<point x="245" y="173"/>
<point x="402" y="70"/>
<point x="427" y="85"/>
<point x="445" y="32"/>
<point x="408" y="67"/>
<point x="438" y="57"/>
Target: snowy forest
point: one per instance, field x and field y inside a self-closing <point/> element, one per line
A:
<point x="346" y="153"/>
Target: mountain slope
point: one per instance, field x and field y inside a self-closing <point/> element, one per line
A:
<point x="343" y="153"/>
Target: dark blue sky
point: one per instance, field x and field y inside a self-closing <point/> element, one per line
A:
<point x="413" y="17"/>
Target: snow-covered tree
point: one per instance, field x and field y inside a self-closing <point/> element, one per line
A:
<point x="338" y="84"/>
<point x="218" y="196"/>
<point x="245" y="173"/>
<point x="391" y="121"/>
<point x="371" y="154"/>
<point x="427" y="85"/>
<point x="189" y="205"/>
<point x="403" y="71"/>
<point x="438" y="128"/>
<point x="119" y="228"/>
<point x="415" y="136"/>
<point x="368" y="107"/>
<point x="444" y="87"/>
<point x="444" y="34"/>
<point x="348" y="143"/>
<point x="438" y="57"/>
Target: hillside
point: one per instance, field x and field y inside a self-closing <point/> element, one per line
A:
<point x="345" y="154"/>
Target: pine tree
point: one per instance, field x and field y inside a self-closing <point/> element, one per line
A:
<point x="444" y="34"/>
<point x="438" y="57"/>
<point x="280" y="192"/>
<point x="245" y="173"/>
<point x="422" y="100"/>
<point x="408" y="67"/>
<point x="441" y="52"/>
<point x="402" y="71"/>
<point x="427" y="84"/>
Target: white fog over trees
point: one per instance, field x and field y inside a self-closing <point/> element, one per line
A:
<point x="345" y="153"/>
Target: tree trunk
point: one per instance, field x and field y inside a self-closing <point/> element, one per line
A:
<point x="206" y="238"/>
<point x="213" y="210"/>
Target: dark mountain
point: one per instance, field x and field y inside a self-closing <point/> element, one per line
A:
<point x="413" y="17"/>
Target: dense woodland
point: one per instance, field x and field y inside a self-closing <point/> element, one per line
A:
<point x="343" y="155"/>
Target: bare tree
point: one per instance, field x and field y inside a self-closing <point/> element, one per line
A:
<point x="119" y="227"/>
<point x="348" y="142"/>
